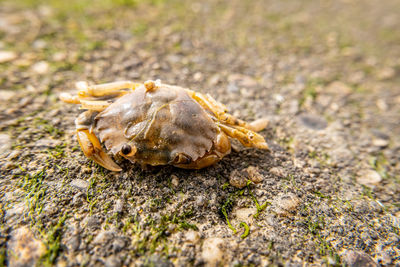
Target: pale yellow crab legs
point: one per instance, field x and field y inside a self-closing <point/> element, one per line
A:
<point x="87" y="94"/>
<point x="233" y="127"/>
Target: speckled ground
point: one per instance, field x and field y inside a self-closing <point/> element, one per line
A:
<point x="325" y="73"/>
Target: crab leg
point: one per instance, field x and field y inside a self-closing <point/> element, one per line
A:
<point x="219" y="110"/>
<point x="94" y="105"/>
<point x="104" y="89"/>
<point x="245" y="136"/>
<point x="259" y="125"/>
<point x="114" y="89"/>
<point x="68" y="98"/>
<point x="92" y="149"/>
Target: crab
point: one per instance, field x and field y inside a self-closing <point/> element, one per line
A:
<point x="152" y="123"/>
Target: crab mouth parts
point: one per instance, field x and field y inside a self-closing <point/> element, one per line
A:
<point x="182" y="159"/>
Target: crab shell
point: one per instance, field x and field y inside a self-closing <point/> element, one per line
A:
<point x="165" y="126"/>
<point x="157" y="124"/>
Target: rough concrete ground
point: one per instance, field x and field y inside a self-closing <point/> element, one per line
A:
<point x="326" y="74"/>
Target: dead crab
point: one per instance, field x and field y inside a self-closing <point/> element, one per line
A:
<point x="157" y="124"/>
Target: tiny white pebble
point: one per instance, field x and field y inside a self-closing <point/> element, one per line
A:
<point x="174" y="180"/>
<point x="41" y="67"/>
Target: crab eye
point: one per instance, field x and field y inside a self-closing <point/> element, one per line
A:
<point x="126" y="149"/>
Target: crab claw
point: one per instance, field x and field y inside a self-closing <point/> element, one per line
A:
<point x="92" y="149"/>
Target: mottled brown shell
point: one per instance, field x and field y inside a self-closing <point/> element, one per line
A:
<point x="161" y="124"/>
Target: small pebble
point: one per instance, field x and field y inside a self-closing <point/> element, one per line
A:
<point x="41" y="67"/>
<point x="278" y="98"/>
<point x="382" y="105"/>
<point x="358" y="259"/>
<point x="91" y="222"/>
<point x="368" y="177"/>
<point x="285" y="204"/>
<point x="77" y="200"/>
<point x="233" y="88"/>
<point x="245" y="215"/>
<point x="118" y="244"/>
<point x="119" y="206"/>
<point x="59" y="56"/>
<point x="112" y="261"/>
<point x="300" y="79"/>
<point x="8" y="166"/>
<point x="5" y="144"/>
<point x="157" y="260"/>
<point x="80" y="184"/>
<point x="24" y="248"/>
<point x="6" y="95"/>
<point x="103" y="238"/>
<point x="25" y="101"/>
<point x="313" y="122"/>
<point x="174" y="180"/>
<point x="380" y="142"/>
<point x="16" y="211"/>
<point x="213" y="251"/>
<point x="6" y="56"/>
<point x="237" y="180"/>
<point x="214" y="80"/>
<point x="200" y="201"/>
<point x="73" y="243"/>
<point x="386" y="73"/>
<point x="192" y="236"/>
<point x="50" y="209"/>
<point x="14" y="154"/>
<point x="242" y="80"/>
<point x="198" y="76"/>
<point x="338" y="87"/>
<point x="254" y="175"/>
<point x="39" y="44"/>
<point x="47" y="142"/>
<point x="278" y="171"/>
<point x="386" y="259"/>
<point x="380" y="139"/>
